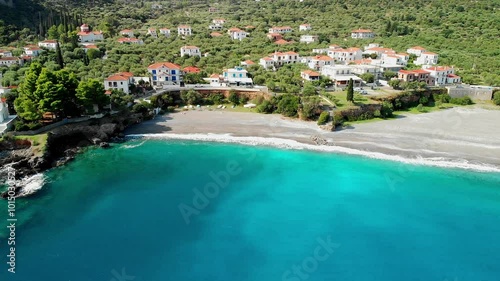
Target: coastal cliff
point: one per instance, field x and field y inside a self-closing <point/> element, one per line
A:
<point x="62" y="144"/>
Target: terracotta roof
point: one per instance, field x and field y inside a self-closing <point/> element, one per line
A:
<point x="311" y="73"/>
<point x="164" y="64"/>
<point x="323" y="58"/>
<point x="439" y="68"/>
<point x="191" y="69"/>
<point x="128" y="40"/>
<point x="417" y="48"/>
<point x="184" y="26"/>
<point x="281" y="42"/>
<point x="453" y="76"/>
<point x="402" y="54"/>
<point x="151" y="29"/>
<point x="429" y="53"/>
<point x="215" y="75"/>
<point x="8" y="58"/>
<point x="362" y="61"/>
<point x="380" y="49"/>
<point x="362" y="31"/>
<point x="189" y="47"/>
<point x="90" y="47"/>
<point x="249" y="62"/>
<point x="267" y="58"/>
<point x="89" y="32"/>
<point x="406" y="71"/>
<point x="249" y="26"/>
<point x="125" y="74"/>
<point x="126" y="31"/>
<point x="215" y="34"/>
<point x="116" y="77"/>
<point x="234" y="29"/>
<point x="353" y="49"/>
<point x="85" y="25"/>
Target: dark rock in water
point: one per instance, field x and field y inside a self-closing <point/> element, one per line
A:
<point x="104" y="144"/>
<point x="121" y="135"/>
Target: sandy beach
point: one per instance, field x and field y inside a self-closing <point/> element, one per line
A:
<point x="462" y="135"/>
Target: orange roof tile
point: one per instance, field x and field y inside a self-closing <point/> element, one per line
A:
<point x="311" y="73"/>
<point x="164" y="64"/>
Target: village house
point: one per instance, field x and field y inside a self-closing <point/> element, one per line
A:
<point x="165" y="32"/>
<point x="49" y="44"/>
<point x="274" y="36"/>
<point x="86" y="48"/>
<point x="360" y="69"/>
<point x="213" y="10"/>
<point x="320" y="51"/>
<point x="191" y="69"/>
<point x="217" y="24"/>
<point x="237" y="76"/>
<point x="237" y="34"/>
<point x="247" y="63"/>
<point x="219" y="21"/>
<point x="362" y="34"/>
<point x="152" y="32"/>
<point x="192" y="51"/>
<point x="32" y="50"/>
<point x="283" y="42"/>
<point x="416" y="50"/>
<point x="377" y="50"/>
<point x="305" y="27"/>
<point x="345" y="55"/>
<point x="165" y="73"/>
<point x="443" y="75"/>
<point x="418" y="75"/>
<point x="127" y="32"/>
<point x="310" y="75"/>
<point x="278" y="59"/>
<point x="280" y="29"/>
<point x="394" y="59"/>
<point x="5" y="53"/>
<point x="427" y="58"/>
<point x="184" y="30"/>
<point x="126" y="40"/>
<point x="9" y="61"/>
<point x="317" y="62"/>
<point x="340" y="74"/>
<point x="119" y="81"/>
<point x="216" y="34"/>
<point x="309" y="38"/>
<point x="85" y="35"/>
<point x="215" y="80"/>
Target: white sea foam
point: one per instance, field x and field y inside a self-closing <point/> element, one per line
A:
<point x="31" y="185"/>
<point x="128" y="146"/>
<point x="292" y="144"/>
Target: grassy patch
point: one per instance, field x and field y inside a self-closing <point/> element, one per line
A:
<point x="425" y="109"/>
<point x="38" y="143"/>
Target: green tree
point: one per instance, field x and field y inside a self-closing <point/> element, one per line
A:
<point x="93" y="54"/>
<point x="368" y="77"/>
<point x="496" y="98"/>
<point x="389" y="74"/>
<point x="395" y="84"/>
<point x="350" y="91"/>
<point x="234" y="98"/>
<point x="323" y="117"/>
<point x="59" y="57"/>
<point x="191" y="97"/>
<point x="90" y="93"/>
<point x="288" y="105"/>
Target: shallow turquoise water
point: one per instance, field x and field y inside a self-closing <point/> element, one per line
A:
<point x="283" y="215"/>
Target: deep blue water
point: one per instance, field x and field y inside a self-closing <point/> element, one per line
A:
<point x="269" y="214"/>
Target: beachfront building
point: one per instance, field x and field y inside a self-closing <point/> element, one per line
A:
<point x="279" y="58"/>
<point x="237" y="34"/>
<point x="237" y="76"/>
<point x="362" y="34"/>
<point x="443" y="75"/>
<point x="126" y="40"/>
<point x="49" y="44"/>
<point x="184" y="30"/>
<point x="192" y="51"/>
<point x="280" y="29"/>
<point x="165" y="73"/>
<point x="9" y="61"/>
<point x="305" y="27"/>
<point x="85" y="35"/>
<point x="340" y="74"/>
<point x="119" y="81"/>
<point x="345" y="56"/>
<point x="418" y="75"/>
<point x="152" y="32"/>
<point x="215" y="80"/>
<point x="165" y="32"/>
<point x="427" y="58"/>
<point x="128" y="33"/>
<point x="310" y="75"/>
<point x="309" y="39"/>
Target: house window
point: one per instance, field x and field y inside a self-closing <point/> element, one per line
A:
<point x="166" y="78"/>
<point x="154" y="71"/>
<point x="121" y="83"/>
<point x="173" y="71"/>
<point x="174" y="78"/>
<point x="154" y="78"/>
<point x="234" y="75"/>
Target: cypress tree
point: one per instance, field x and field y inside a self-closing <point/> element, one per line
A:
<point x="59" y="57"/>
<point x="350" y="91"/>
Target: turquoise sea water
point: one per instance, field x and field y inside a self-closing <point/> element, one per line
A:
<point x="263" y="214"/>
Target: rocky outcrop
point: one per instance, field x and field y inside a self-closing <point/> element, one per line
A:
<point x="63" y="143"/>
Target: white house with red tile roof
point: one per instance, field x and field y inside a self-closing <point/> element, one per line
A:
<point x="417" y="75"/>
<point x="280" y="29"/>
<point x="247" y="63"/>
<point x="191" y="69"/>
<point x="345" y="55"/>
<point x="341" y="74"/>
<point x="85" y="35"/>
<point x="152" y="32"/>
<point x="416" y="50"/>
<point x="165" y="73"/>
<point x="318" y="62"/>
<point x="49" y="44"/>
<point x="393" y="59"/>
<point x="8" y="61"/>
<point x="217" y="24"/>
<point x="219" y="21"/>
<point x="32" y="50"/>
<point x="237" y="34"/>
<point x="5" y="53"/>
<point x="266" y="62"/>
<point x="126" y="40"/>
<point x="216" y="34"/>
<point x="309" y="38"/>
<point x="165" y="32"/>
<point x="310" y="75"/>
<point x="192" y="51"/>
<point x="127" y="32"/>
<point x="305" y="27"/>
<point x="427" y="58"/>
<point x="119" y="81"/>
<point x="378" y="50"/>
<point x="184" y="30"/>
<point x="443" y="75"/>
<point x="86" y="48"/>
<point x="280" y="58"/>
<point x="362" y="34"/>
<point x="274" y="36"/>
